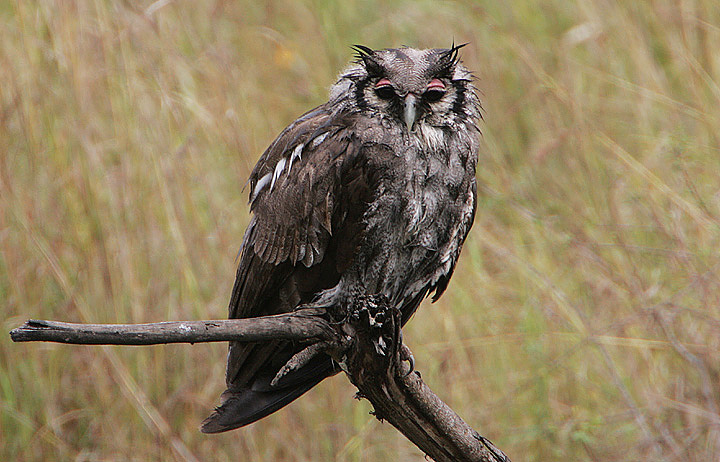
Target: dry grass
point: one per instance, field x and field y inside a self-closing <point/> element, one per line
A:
<point x="584" y="319"/>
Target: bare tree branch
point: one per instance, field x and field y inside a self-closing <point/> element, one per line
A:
<point x="299" y="325"/>
<point x="374" y="366"/>
<point x="367" y="343"/>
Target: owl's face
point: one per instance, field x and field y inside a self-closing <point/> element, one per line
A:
<point x="410" y="86"/>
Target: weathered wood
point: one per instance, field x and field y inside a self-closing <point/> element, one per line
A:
<point x="300" y="325"/>
<point x="367" y="343"/>
<point x="374" y="366"/>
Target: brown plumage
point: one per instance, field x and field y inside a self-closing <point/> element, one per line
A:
<point x="370" y="193"/>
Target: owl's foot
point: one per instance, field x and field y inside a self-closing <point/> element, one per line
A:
<point x="373" y="315"/>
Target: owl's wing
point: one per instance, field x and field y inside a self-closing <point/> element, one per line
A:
<point x="307" y="193"/>
<point x="293" y="186"/>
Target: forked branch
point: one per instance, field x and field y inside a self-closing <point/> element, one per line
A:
<point x="368" y="343"/>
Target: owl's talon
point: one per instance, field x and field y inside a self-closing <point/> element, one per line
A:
<point x="406" y="355"/>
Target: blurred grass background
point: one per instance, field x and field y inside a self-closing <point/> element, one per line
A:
<point x="583" y="322"/>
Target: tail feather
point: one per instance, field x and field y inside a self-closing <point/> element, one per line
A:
<point x="244" y="406"/>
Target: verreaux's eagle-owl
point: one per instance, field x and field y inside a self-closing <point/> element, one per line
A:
<point x="370" y="193"/>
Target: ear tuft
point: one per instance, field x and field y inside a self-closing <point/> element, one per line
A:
<point x="366" y="56"/>
<point x="449" y="58"/>
<point x="362" y="51"/>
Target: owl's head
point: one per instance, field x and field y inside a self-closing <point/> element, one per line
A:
<point x="409" y="85"/>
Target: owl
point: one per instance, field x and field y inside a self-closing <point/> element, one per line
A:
<point x="370" y="194"/>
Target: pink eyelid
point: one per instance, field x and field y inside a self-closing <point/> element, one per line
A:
<point x="435" y="84"/>
<point x="383" y="83"/>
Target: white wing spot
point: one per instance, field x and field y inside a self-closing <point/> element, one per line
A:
<point x="319" y="139"/>
<point x="262" y="182"/>
<point x="296" y="155"/>
<point x="278" y="171"/>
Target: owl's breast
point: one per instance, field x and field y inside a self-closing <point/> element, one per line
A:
<point x="419" y="215"/>
<point x="436" y="191"/>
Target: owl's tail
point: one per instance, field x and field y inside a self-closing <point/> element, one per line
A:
<point x="246" y="405"/>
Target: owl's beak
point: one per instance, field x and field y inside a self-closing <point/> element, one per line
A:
<point x="410" y="113"/>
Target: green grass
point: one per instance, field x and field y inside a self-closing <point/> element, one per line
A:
<point x="583" y="322"/>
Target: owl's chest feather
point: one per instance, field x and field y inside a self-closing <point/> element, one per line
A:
<point x="427" y="181"/>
